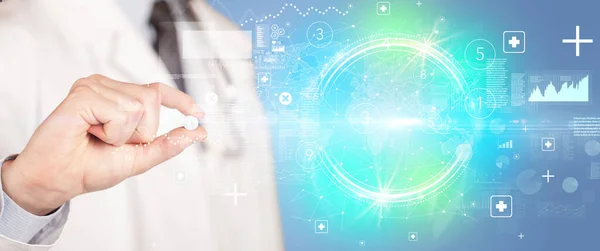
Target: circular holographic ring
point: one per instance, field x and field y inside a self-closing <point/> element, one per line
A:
<point x="412" y="195"/>
<point x="429" y="51"/>
<point x="457" y="160"/>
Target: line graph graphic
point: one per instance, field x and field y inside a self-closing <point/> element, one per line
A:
<point x="559" y="87"/>
<point x="555" y="210"/>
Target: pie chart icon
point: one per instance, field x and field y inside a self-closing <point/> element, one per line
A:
<point x="502" y="161"/>
<point x="528" y="182"/>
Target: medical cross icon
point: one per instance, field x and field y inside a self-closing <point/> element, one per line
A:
<point x="321" y="226"/>
<point x="264" y="79"/>
<point x="413" y="236"/>
<point x="383" y="8"/>
<point x="514" y="42"/>
<point x="548" y="144"/>
<point x="501" y="206"/>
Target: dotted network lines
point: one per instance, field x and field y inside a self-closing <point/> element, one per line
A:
<point x="290" y="6"/>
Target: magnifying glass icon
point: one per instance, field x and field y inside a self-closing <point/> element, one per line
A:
<point x="309" y="153"/>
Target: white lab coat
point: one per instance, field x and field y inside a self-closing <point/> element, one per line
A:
<point x="46" y="45"/>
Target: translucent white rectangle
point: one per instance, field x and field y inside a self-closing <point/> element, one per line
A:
<point x="262" y="36"/>
<point x="225" y="44"/>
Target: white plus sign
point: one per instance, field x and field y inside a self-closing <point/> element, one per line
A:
<point x="264" y="79"/>
<point x="514" y="42"/>
<point x="383" y="8"/>
<point x="501" y="206"/>
<point x="521" y="235"/>
<point x="419" y="3"/>
<point x="577" y="41"/>
<point x="321" y="226"/>
<point x="548" y="144"/>
<point x="235" y="194"/>
<point x="548" y="176"/>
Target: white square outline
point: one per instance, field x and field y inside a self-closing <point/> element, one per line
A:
<point x="592" y="168"/>
<point x="416" y="235"/>
<point x="326" y="224"/>
<point x="389" y="8"/>
<point x="501" y="196"/>
<point x="553" y="145"/>
<point x="514" y="52"/>
<point x="259" y="81"/>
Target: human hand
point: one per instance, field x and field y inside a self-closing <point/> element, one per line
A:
<point x="101" y="134"/>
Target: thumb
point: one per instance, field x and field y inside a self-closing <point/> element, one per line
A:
<point x="165" y="147"/>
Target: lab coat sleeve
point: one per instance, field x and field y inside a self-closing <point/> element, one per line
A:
<point x="21" y="230"/>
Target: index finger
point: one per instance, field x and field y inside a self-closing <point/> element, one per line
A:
<point x="176" y="99"/>
<point x="169" y="97"/>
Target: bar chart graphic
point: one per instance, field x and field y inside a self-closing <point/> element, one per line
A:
<point x="506" y="144"/>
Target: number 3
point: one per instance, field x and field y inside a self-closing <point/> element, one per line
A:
<point x="320" y="35"/>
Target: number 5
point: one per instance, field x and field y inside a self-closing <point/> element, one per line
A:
<point x="480" y="55"/>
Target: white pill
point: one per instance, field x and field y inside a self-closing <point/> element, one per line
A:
<point x="190" y="123"/>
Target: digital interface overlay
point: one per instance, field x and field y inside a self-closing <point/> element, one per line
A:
<point x="431" y="125"/>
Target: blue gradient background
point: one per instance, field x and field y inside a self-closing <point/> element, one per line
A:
<point x="546" y="24"/>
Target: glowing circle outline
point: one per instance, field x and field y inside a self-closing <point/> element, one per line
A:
<point x="493" y="49"/>
<point x="308" y="36"/>
<point x="453" y="168"/>
<point x="487" y="92"/>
